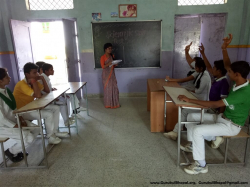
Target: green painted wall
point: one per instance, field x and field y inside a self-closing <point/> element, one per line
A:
<point x="3" y="42"/>
<point x="147" y="10"/>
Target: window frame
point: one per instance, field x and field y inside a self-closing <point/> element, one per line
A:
<point x="27" y="2"/>
<point x="225" y="1"/>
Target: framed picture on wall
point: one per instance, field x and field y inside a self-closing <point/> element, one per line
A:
<point x="114" y="14"/>
<point x="96" y="16"/>
<point x="128" y="11"/>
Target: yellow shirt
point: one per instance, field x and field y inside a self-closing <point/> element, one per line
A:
<point x="23" y="93"/>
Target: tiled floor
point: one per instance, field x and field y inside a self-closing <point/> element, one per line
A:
<point x="116" y="148"/>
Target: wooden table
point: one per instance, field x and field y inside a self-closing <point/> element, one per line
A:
<point x="155" y="104"/>
<point x="174" y="93"/>
<point x="38" y="105"/>
<point x="73" y="88"/>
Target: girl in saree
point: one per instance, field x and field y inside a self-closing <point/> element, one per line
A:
<point x="111" y="92"/>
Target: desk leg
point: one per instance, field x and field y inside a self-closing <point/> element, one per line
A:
<point x="202" y="115"/>
<point x="67" y="112"/>
<point x="43" y="142"/>
<point x="21" y="137"/>
<point x="87" y="99"/>
<point x="75" y="114"/>
<point x="148" y="98"/>
<point x="3" y="155"/>
<point x="179" y="136"/>
<point x="165" y="111"/>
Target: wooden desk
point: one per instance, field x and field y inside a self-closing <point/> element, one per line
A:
<point x="155" y="104"/>
<point x="174" y="93"/>
<point x="73" y="88"/>
<point x="42" y="102"/>
<point x="38" y="105"/>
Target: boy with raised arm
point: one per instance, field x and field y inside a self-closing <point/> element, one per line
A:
<point x="219" y="90"/>
<point x="228" y="123"/>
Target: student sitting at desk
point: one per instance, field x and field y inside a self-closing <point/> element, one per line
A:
<point x="73" y="98"/>
<point x="191" y="62"/>
<point x="227" y="124"/>
<point x="47" y="71"/>
<point x="40" y="67"/>
<point x="219" y="90"/>
<point x="202" y="83"/>
<point x="8" y="122"/>
<point x="27" y="90"/>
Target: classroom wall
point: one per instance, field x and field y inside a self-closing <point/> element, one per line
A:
<point x="6" y="59"/>
<point x="3" y="45"/>
<point x="129" y="80"/>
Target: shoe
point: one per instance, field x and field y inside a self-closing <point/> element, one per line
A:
<point x="72" y="118"/>
<point x="82" y="109"/>
<point x="12" y="157"/>
<point x="69" y="122"/>
<point x="53" y="140"/>
<point x="77" y="115"/>
<point x="217" y="142"/>
<point x="187" y="148"/>
<point x="171" y="135"/>
<point x="195" y="168"/>
<point x="21" y="154"/>
<point x="76" y="111"/>
<point x="30" y="124"/>
<point x="61" y="134"/>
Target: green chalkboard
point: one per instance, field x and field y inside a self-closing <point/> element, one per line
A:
<point x="137" y="44"/>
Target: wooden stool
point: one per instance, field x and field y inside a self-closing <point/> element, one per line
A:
<point x="2" y="140"/>
<point x="241" y="134"/>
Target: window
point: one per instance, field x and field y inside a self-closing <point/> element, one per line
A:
<point x="49" y="4"/>
<point x="200" y="2"/>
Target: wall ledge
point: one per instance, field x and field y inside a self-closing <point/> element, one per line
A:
<point x="238" y="46"/>
<point x="6" y="52"/>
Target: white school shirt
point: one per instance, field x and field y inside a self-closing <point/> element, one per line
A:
<point x="189" y="85"/>
<point x="202" y="93"/>
<point x="7" y="118"/>
<point x="46" y="78"/>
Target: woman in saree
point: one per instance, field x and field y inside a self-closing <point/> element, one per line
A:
<point x="111" y="92"/>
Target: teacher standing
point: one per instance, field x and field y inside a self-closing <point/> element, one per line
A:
<point x="111" y="92"/>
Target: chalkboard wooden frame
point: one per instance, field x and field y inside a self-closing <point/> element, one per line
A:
<point x="129" y="22"/>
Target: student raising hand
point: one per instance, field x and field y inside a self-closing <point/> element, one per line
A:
<point x="208" y="65"/>
<point x="187" y="48"/>
<point x="226" y="59"/>
<point x="201" y="49"/>
<point x="227" y="41"/>
<point x="189" y="59"/>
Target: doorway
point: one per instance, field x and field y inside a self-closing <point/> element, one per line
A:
<point x="48" y="45"/>
<point x="51" y="41"/>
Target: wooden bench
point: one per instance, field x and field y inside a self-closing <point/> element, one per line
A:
<point x="2" y="140"/>
<point x="241" y="134"/>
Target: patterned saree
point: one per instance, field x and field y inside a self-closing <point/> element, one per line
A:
<point x="111" y="92"/>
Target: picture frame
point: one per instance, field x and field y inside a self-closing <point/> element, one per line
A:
<point x="114" y="14"/>
<point x="96" y="16"/>
<point x="128" y="11"/>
